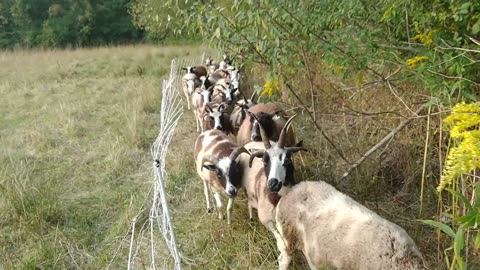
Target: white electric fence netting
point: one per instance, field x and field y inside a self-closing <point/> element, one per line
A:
<point x="158" y="225"/>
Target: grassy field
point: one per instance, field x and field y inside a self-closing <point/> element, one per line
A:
<point x="76" y="128"/>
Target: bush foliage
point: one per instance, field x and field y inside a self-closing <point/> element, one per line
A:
<point x="432" y="43"/>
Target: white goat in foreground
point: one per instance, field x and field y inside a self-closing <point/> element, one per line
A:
<point x="330" y="228"/>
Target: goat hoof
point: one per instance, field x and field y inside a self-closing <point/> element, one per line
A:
<point x="209" y="210"/>
<point x="250" y="220"/>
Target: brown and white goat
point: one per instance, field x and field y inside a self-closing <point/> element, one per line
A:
<point x="211" y="65"/>
<point x="220" y="74"/>
<point x="200" y="70"/>
<point x="225" y="62"/>
<point x="200" y="97"/>
<point x="216" y="159"/>
<point x="239" y="113"/>
<point x="223" y="88"/>
<point x="330" y="228"/>
<point x="271" y="117"/>
<point x="215" y="116"/>
<point x="190" y="81"/>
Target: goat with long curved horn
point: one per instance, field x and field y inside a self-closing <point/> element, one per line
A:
<point x="217" y="161"/>
<point x="255" y="154"/>
<point x="283" y="133"/>
<point x="235" y="153"/>
<point x="263" y="133"/>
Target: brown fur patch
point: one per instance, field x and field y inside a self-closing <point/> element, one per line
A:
<point x="198" y="145"/>
<point x="214" y="144"/>
<point x="289" y="233"/>
<point x="273" y="197"/>
<point x="223" y="150"/>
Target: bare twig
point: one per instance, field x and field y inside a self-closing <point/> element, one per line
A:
<point x="315" y="122"/>
<point x="379" y="144"/>
<point x="474" y="40"/>
<point x="398" y="97"/>
<point x="407" y="24"/>
<point x="452" y="77"/>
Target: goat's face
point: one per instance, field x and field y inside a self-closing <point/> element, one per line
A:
<point x="215" y="117"/>
<point x="227" y="170"/>
<point x="277" y="159"/>
<point x="228" y="91"/>
<point x="266" y="120"/>
<point x="278" y="168"/>
<point x="206" y="94"/>
<point x="235" y="77"/>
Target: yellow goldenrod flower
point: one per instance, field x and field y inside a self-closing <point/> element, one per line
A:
<point x="412" y="62"/>
<point x="425" y="39"/>
<point x="463" y="123"/>
<point x="270" y="87"/>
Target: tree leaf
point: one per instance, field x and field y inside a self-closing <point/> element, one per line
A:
<point x="476" y="27"/>
<point x="465" y="201"/>
<point x="444" y="227"/>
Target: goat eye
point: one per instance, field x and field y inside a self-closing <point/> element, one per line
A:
<point x="287" y="162"/>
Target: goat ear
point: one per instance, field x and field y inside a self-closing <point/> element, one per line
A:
<point x="210" y="167"/>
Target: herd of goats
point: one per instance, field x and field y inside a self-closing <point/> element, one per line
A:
<point x="330" y="228"/>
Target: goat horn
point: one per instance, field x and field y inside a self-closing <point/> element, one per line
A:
<point x="235" y="153"/>
<point x="295" y="149"/>
<point x="263" y="133"/>
<point x="283" y="133"/>
<point x="244" y="98"/>
<point x="255" y="154"/>
<point x="253" y="95"/>
<point x="221" y="107"/>
<point x="209" y="158"/>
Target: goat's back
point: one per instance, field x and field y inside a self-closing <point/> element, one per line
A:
<point x="330" y="228"/>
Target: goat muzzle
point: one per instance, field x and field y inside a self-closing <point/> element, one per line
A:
<point x="274" y="185"/>
<point x="231" y="191"/>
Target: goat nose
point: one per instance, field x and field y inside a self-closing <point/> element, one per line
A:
<point x="218" y="127"/>
<point x="231" y="191"/>
<point x="274" y="185"/>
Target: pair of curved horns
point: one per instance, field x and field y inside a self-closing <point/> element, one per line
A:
<point x="283" y="132"/>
